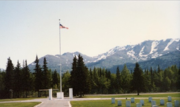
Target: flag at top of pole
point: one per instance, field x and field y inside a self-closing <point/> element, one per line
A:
<point x="61" y="26"/>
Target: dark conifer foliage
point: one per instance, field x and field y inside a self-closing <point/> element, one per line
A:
<point x="38" y="76"/>
<point x="27" y="79"/>
<point x="80" y="78"/>
<point x="55" y="80"/>
<point x="17" y="83"/>
<point x="46" y="76"/>
<point x="20" y="82"/>
<point x="118" y="80"/>
<point x="73" y="78"/>
<point x="9" y="75"/>
<point x="138" y="79"/>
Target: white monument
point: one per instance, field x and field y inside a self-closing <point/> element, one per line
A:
<point x="60" y="95"/>
<point x="50" y="94"/>
<point x="71" y="93"/>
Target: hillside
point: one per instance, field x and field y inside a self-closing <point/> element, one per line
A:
<point x="148" y="53"/>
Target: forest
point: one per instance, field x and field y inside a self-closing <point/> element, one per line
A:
<point x="18" y="81"/>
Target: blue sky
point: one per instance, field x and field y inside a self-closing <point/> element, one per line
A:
<point x="30" y="28"/>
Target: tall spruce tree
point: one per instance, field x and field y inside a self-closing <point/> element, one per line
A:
<point x="73" y="78"/>
<point x="126" y="79"/>
<point x="80" y="76"/>
<point x="138" y="79"/>
<point x="9" y="76"/>
<point x="118" y="80"/>
<point x="27" y="80"/>
<point x="46" y="75"/>
<point x="38" y="76"/>
<point x="17" y="80"/>
<point x="55" y="79"/>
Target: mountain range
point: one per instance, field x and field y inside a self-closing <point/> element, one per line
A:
<point x="148" y="53"/>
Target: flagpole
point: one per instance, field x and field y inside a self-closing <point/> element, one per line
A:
<point x="60" y="57"/>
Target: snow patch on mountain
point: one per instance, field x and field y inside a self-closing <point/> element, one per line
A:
<point x="57" y="56"/>
<point x="166" y="48"/>
<point x="114" y="50"/>
<point x="121" y="57"/>
<point x="141" y="52"/>
<point x="75" y="55"/>
<point x="142" y="57"/>
<point x="102" y="57"/>
<point x="131" y="54"/>
<point x="153" y="46"/>
<point x="155" y="55"/>
<point x="33" y="63"/>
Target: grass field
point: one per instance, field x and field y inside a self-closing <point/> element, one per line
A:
<point x="134" y="95"/>
<point x="24" y="104"/>
<point x="107" y="103"/>
<point x="16" y="99"/>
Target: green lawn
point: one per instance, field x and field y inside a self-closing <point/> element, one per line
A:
<point x="107" y="103"/>
<point x="129" y="96"/>
<point x="24" y="104"/>
<point x="16" y="99"/>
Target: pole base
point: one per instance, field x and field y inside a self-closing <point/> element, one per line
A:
<point x="60" y="95"/>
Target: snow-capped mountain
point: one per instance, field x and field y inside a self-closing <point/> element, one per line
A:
<point x="143" y="51"/>
<point x="135" y="53"/>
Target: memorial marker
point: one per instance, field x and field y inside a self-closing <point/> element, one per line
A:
<point x="142" y="102"/>
<point x="161" y="102"/>
<point x="176" y="103"/>
<point x="112" y="100"/>
<point x="132" y="100"/>
<point x="169" y="98"/>
<point x="150" y="99"/>
<point x="153" y="102"/>
<point x="128" y="104"/>
<point x="119" y="103"/>
<point x="169" y="104"/>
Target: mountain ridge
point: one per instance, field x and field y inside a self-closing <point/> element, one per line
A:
<point x="119" y="55"/>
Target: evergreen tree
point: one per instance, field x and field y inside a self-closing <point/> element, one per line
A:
<point x="73" y="78"/>
<point x="55" y="79"/>
<point x="9" y="76"/>
<point x="2" y="84"/>
<point x="66" y="82"/>
<point x="80" y="78"/>
<point x="46" y="75"/>
<point x="126" y="79"/>
<point x="27" y="80"/>
<point x="17" y="80"/>
<point x="38" y="76"/>
<point x="118" y="80"/>
<point x="138" y="79"/>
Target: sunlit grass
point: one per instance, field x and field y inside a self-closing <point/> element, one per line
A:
<point x="107" y="103"/>
<point x="19" y="104"/>
<point x="129" y="96"/>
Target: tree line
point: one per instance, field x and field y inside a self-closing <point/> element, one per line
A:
<point x="23" y="83"/>
<point x="18" y="81"/>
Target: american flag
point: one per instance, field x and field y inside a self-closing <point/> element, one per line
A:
<point x="61" y="26"/>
